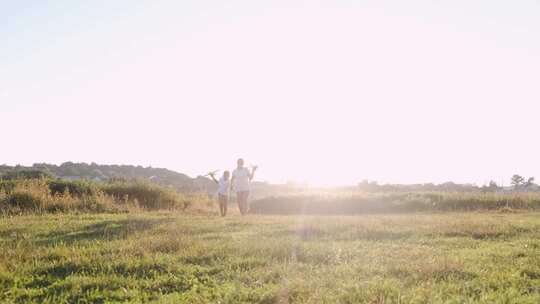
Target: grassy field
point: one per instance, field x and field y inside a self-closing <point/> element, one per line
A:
<point x="174" y="258"/>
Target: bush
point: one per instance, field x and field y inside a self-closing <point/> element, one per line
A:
<point x="24" y="201"/>
<point x="76" y="188"/>
<point x="146" y="195"/>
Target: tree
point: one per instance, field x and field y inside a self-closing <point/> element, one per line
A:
<point x="529" y="182"/>
<point x="491" y="187"/>
<point x="517" y="181"/>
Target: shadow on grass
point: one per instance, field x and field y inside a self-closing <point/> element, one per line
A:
<point x="104" y="231"/>
<point x="12" y="233"/>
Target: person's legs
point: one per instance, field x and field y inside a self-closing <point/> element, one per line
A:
<point x="221" y="208"/>
<point x="246" y="202"/>
<point x="239" y="202"/>
<point x="222" y="205"/>
<point x="243" y="201"/>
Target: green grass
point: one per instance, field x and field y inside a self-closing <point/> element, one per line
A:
<point x="173" y="258"/>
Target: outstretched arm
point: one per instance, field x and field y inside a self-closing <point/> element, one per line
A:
<point x="252" y="173"/>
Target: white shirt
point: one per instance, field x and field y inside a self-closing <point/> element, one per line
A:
<point x="224" y="186"/>
<point x="241" y="179"/>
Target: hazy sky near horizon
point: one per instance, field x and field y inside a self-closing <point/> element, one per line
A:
<point x="327" y="92"/>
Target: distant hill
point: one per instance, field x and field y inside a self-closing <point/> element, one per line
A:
<point x="93" y="171"/>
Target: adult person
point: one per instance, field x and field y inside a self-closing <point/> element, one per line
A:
<point x="241" y="184"/>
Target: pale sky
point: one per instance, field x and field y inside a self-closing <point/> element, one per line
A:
<point x="327" y="92"/>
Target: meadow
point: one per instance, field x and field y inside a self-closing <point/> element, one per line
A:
<point x="174" y="257"/>
<point x="135" y="241"/>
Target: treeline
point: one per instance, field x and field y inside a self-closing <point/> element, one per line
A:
<point x="518" y="183"/>
<point x="96" y="172"/>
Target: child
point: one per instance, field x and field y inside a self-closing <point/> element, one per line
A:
<point x="224" y="184"/>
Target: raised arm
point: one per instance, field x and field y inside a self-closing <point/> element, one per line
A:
<point x="252" y="173"/>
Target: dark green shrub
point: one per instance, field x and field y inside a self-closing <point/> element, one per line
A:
<point x="24" y="201"/>
<point x="75" y="188"/>
<point x="147" y="195"/>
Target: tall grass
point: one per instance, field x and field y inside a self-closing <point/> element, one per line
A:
<point x="51" y="196"/>
<point x="35" y="196"/>
<point x="150" y="196"/>
<point x="359" y="203"/>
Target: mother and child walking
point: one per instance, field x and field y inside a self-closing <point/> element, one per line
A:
<point x="240" y="182"/>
